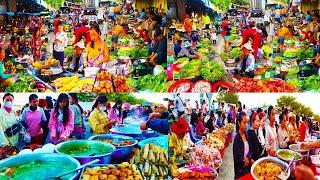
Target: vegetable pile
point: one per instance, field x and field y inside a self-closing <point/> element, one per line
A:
<point x="235" y="53"/>
<point x="23" y="84"/>
<point x="312" y="83"/>
<point x="212" y="71"/>
<point x="73" y="84"/>
<point x="190" y="70"/>
<point x="153" y="83"/>
<point x="271" y="85"/>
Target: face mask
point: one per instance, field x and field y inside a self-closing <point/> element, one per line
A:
<point x="103" y="108"/>
<point x="33" y="108"/>
<point x="8" y="104"/>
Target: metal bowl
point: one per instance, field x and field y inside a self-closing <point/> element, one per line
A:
<point x="91" y="152"/>
<point x="45" y="157"/>
<point x="122" y="153"/>
<point x="288" y="151"/>
<point x="133" y="131"/>
<point x="269" y="159"/>
<point x="296" y="148"/>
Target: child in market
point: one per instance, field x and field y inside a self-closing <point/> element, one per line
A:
<point x="6" y="79"/>
<point x="78" y="58"/>
<point x="60" y="43"/>
<point x="213" y="37"/>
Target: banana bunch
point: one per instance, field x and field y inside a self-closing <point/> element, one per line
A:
<point x="84" y="85"/>
<point x="152" y="161"/>
<point x="60" y="82"/>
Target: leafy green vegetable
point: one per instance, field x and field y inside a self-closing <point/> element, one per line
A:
<point x="212" y="71"/>
<point x="225" y="56"/>
<point x="235" y="53"/>
<point x="301" y="54"/>
<point x="205" y="42"/>
<point x="183" y="59"/>
<point x="190" y="70"/>
<point x="267" y="50"/>
<point x="310" y="53"/>
<point x="312" y="83"/>
<point x="154" y="83"/>
<point x="69" y="51"/>
<point x="295" y="82"/>
<point x="23" y="84"/>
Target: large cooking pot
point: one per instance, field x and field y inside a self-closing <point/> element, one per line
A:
<point x="133" y="131"/>
<point x="122" y="153"/>
<point x="62" y="163"/>
<point x="270" y="159"/>
<point x="87" y="150"/>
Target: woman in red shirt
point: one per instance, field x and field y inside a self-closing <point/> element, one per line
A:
<point x="303" y="129"/>
<point x="225" y="33"/>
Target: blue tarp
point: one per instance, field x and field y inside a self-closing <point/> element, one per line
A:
<point x="7" y="13"/>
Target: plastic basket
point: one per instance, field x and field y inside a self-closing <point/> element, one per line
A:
<point x="161" y="141"/>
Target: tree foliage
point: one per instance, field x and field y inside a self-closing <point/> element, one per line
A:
<point x="223" y="5"/>
<point x="124" y="97"/>
<point x="291" y="103"/>
<point x="54" y="3"/>
<point x="230" y="98"/>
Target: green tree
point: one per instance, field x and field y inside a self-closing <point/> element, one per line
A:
<point x="230" y="98"/>
<point x="291" y="103"/>
<point x="223" y="5"/>
<point x="241" y="2"/>
<point x="54" y="3"/>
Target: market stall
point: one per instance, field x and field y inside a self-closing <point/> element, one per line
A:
<point x="124" y="153"/>
<point x="203" y="159"/>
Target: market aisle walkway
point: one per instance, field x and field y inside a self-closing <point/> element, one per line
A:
<point x="227" y="168"/>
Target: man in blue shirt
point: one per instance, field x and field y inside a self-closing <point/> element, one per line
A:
<point x="142" y="14"/>
<point x="177" y="48"/>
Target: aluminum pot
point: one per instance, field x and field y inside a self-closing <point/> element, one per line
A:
<point x="269" y="159"/>
<point x="44" y="157"/>
<point x="87" y="150"/>
<point x="122" y="153"/>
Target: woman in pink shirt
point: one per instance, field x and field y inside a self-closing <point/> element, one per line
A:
<point x="115" y="113"/>
<point x="34" y="117"/>
<point x="204" y="108"/>
<point x="61" y="121"/>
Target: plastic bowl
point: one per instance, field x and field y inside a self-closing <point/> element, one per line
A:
<point x="122" y="153"/>
<point x="27" y="158"/>
<point x="93" y="150"/>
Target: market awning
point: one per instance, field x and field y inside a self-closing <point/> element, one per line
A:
<point x="7" y="13"/>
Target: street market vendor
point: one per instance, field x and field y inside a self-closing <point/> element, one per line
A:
<point x="254" y="35"/>
<point x="98" y="119"/>
<point x="157" y="121"/>
<point x="78" y="57"/>
<point x="247" y="61"/>
<point x="283" y="33"/>
<point x="116" y="32"/>
<point x="6" y="79"/>
<point x="97" y="50"/>
<point x="187" y="51"/>
<point x="159" y="54"/>
<point x="82" y="31"/>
